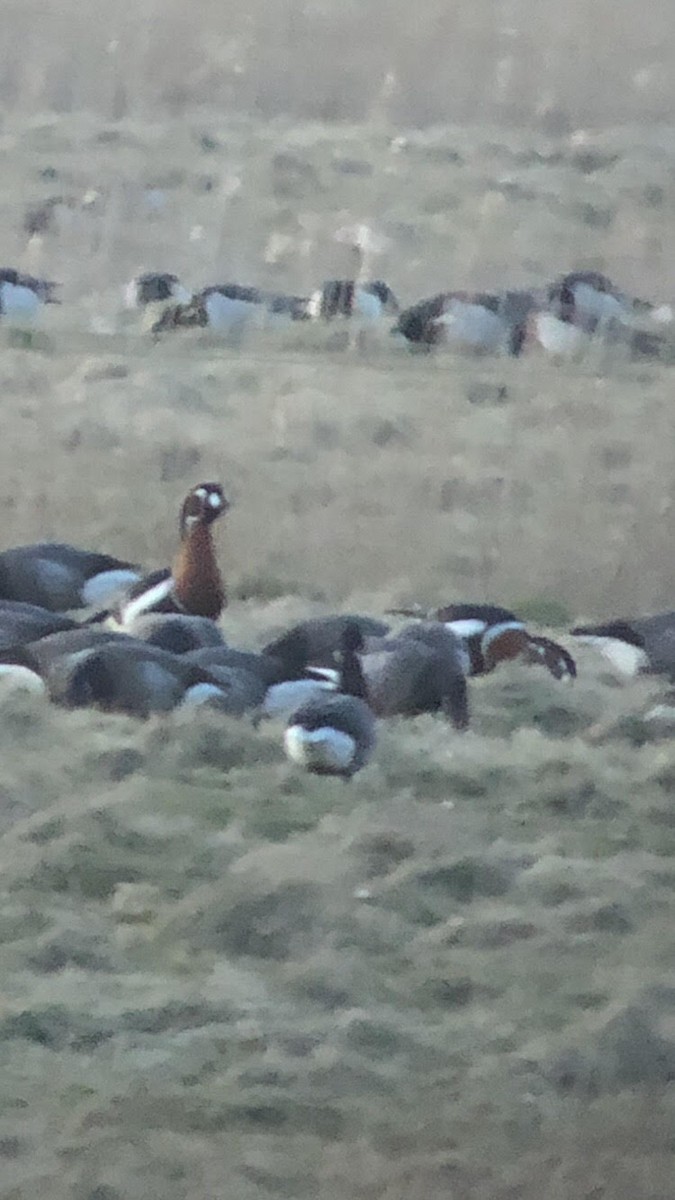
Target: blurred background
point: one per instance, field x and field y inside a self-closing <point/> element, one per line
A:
<point x="532" y="62"/>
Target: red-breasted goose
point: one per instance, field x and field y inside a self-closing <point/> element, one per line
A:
<point x="174" y="631"/>
<point x="478" y="321"/>
<point x="59" y="577"/>
<point x="21" y="622"/>
<point x="635" y="645"/>
<point x="193" y="586"/>
<point x="585" y="305"/>
<point x="22" y="296"/>
<point x="491" y="634"/>
<point x="155" y="287"/>
<point x="230" y="307"/>
<point x="365" y="301"/>
<point x="92" y="667"/>
<point x="335" y="733"/>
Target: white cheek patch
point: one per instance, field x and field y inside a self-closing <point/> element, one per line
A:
<point x="215" y="500"/>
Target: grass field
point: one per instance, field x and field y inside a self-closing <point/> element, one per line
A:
<point x="453" y="978"/>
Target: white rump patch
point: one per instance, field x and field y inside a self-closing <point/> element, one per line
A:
<point x="146" y="600"/>
<point x="325" y="748"/>
<point x="626" y="659"/>
<point x="314" y="305"/>
<point x="559" y="337"/>
<point x="282" y="699"/>
<point x="16" y="678"/>
<point x="102" y="589"/>
<point x="202" y="694"/>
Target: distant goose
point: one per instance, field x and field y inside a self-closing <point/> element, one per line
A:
<point x="635" y="645"/>
<point x="479" y="321"/>
<point x="22" y="296"/>
<point x="88" y="667"/>
<point x="155" y="287"/>
<point x="335" y="733"/>
<point x="57" y="576"/>
<point x="230" y="307"/>
<point x="350" y="298"/>
<point x="585" y="305"/>
<point x="194" y="585"/>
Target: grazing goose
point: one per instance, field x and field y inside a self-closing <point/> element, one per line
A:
<point x="173" y="631"/>
<point x="585" y="305"/>
<point x="493" y="635"/>
<point x="21" y="622"/>
<point x="349" y="298"/>
<point x="230" y="307"/>
<point x="635" y="645"/>
<point x="155" y="288"/>
<point x="421" y="669"/>
<point x="335" y="733"/>
<point x="58" y="577"/>
<point x="22" y="296"/>
<point x="317" y="640"/>
<point x="90" y="667"/>
<point x="479" y="321"/>
<point x="193" y="586"/>
<point x="258" y="680"/>
<point x="153" y="294"/>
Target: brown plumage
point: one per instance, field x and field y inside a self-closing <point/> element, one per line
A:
<point x="198" y="584"/>
<point x="193" y="586"/>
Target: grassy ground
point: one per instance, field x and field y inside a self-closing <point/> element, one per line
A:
<point x="453" y="977"/>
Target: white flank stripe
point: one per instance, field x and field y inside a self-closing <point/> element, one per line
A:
<point x="200" y="694"/>
<point x="628" y="660"/>
<point x="146" y="600"/>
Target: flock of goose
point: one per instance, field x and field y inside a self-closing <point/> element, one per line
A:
<point x="149" y="644"/>
<point x="562" y="318"/>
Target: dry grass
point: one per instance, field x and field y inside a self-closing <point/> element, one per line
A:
<point x="451" y="978"/>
